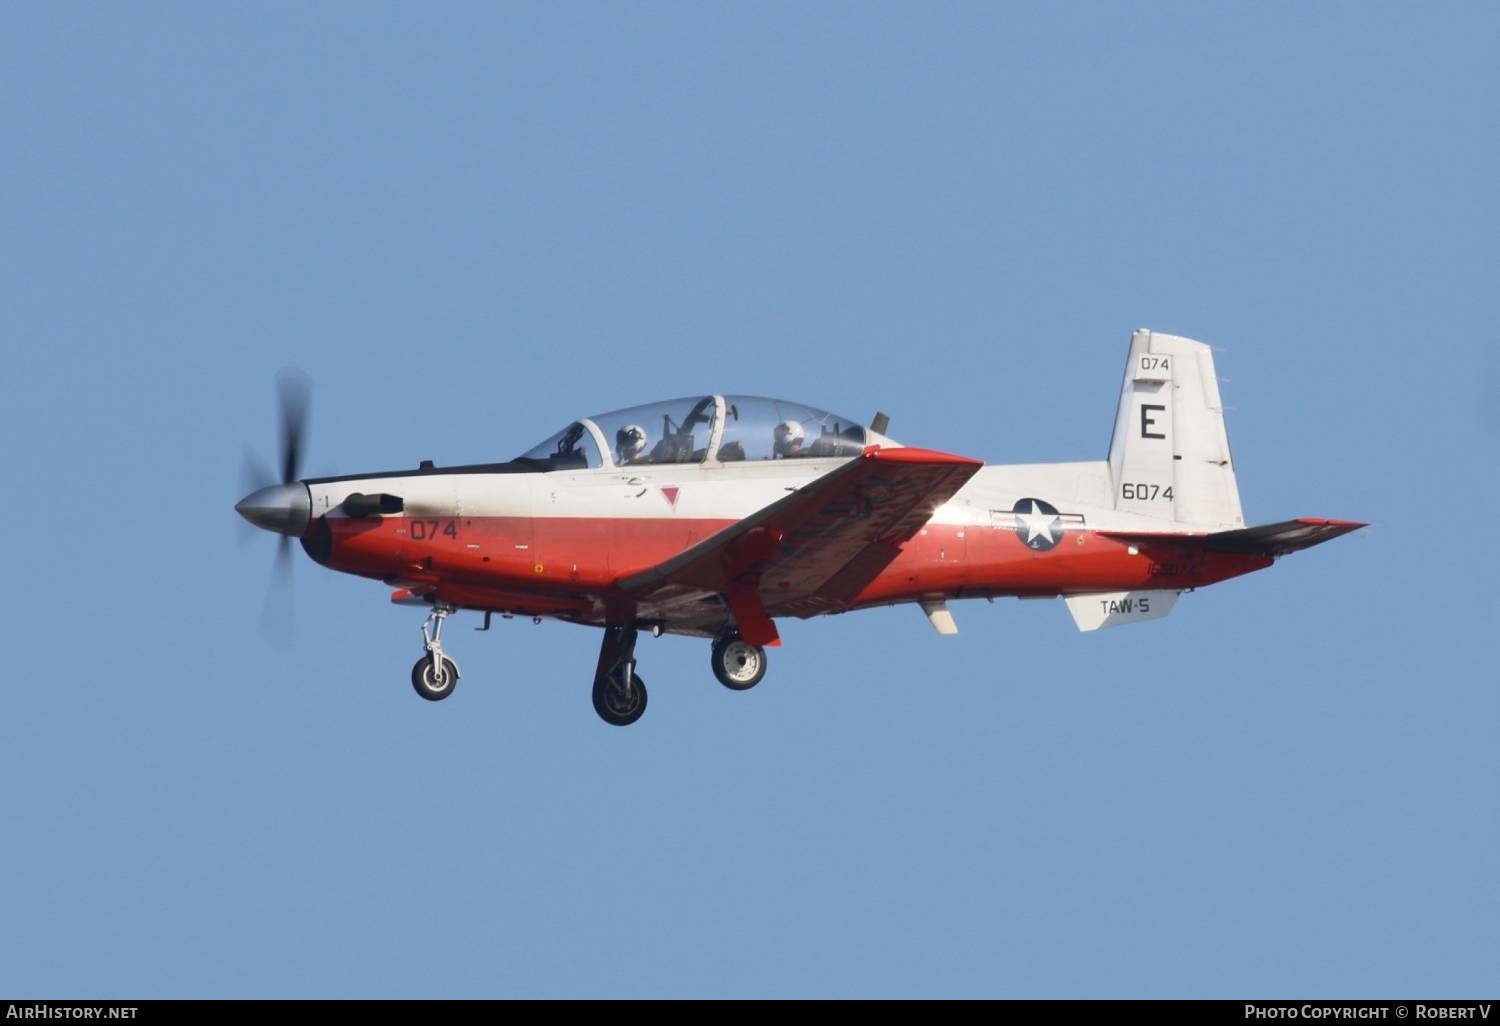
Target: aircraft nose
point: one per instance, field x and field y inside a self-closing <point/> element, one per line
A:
<point x="283" y="508"/>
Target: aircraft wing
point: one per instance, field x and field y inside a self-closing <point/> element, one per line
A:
<point x="824" y="541"/>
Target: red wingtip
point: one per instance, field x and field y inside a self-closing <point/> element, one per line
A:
<point x="911" y="454"/>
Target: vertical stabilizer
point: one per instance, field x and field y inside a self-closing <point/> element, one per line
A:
<point x="1169" y="457"/>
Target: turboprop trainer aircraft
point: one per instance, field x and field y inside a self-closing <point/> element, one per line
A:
<point x="715" y="515"/>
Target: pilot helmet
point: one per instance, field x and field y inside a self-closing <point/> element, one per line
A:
<point x="788" y="437"/>
<point x="630" y="441"/>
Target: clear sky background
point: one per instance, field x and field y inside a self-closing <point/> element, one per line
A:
<point x="471" y="223"/>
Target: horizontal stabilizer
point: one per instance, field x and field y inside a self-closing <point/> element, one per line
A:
<point x="1279" y="539"/>
<point x="1116" y="608"/>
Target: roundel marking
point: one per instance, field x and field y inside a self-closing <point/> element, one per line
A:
<point x="1037" y="524"/>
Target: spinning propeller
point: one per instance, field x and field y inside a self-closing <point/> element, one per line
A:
<point x="282" y="506"/>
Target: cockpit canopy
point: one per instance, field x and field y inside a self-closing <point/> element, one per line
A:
<point x="714" y="428"/>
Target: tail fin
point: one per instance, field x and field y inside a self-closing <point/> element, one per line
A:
<point x="1169" y="457"/>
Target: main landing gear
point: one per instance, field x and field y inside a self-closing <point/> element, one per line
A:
<point x="435" y="675"/>
<point x="619" y="694"/>
<point x="737" y="664"/>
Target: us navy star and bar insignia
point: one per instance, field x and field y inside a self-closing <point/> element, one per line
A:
<point x="1037" y="523"/>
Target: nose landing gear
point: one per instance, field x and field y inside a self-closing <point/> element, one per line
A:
<point x="435" y="675"/>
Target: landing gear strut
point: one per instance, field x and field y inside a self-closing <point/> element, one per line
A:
<point x="619" y="695"/>
<point x="435" y="675"/>
<point x="737" y="664"/>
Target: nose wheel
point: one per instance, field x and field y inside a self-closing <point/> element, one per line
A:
<point x="737" y="664"/>
<point x="432" y="680"/>
<point x="435" y="675"/>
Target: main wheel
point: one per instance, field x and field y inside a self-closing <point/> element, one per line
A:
<point x="738" y="664"/>
<point x="434" y="685"/>
<point x="617" y="707"/>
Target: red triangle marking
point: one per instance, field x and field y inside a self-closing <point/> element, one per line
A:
<point x="671" y="494"/>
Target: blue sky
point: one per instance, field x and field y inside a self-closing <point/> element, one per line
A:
<point x="471" y="223"/>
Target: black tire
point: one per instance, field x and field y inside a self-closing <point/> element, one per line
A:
<point x="614" y="707"/>
<point x="737" y="664"/>
<point x="422" y="679"/>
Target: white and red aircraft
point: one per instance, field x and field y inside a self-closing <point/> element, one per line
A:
<point x="712" y="516"/>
